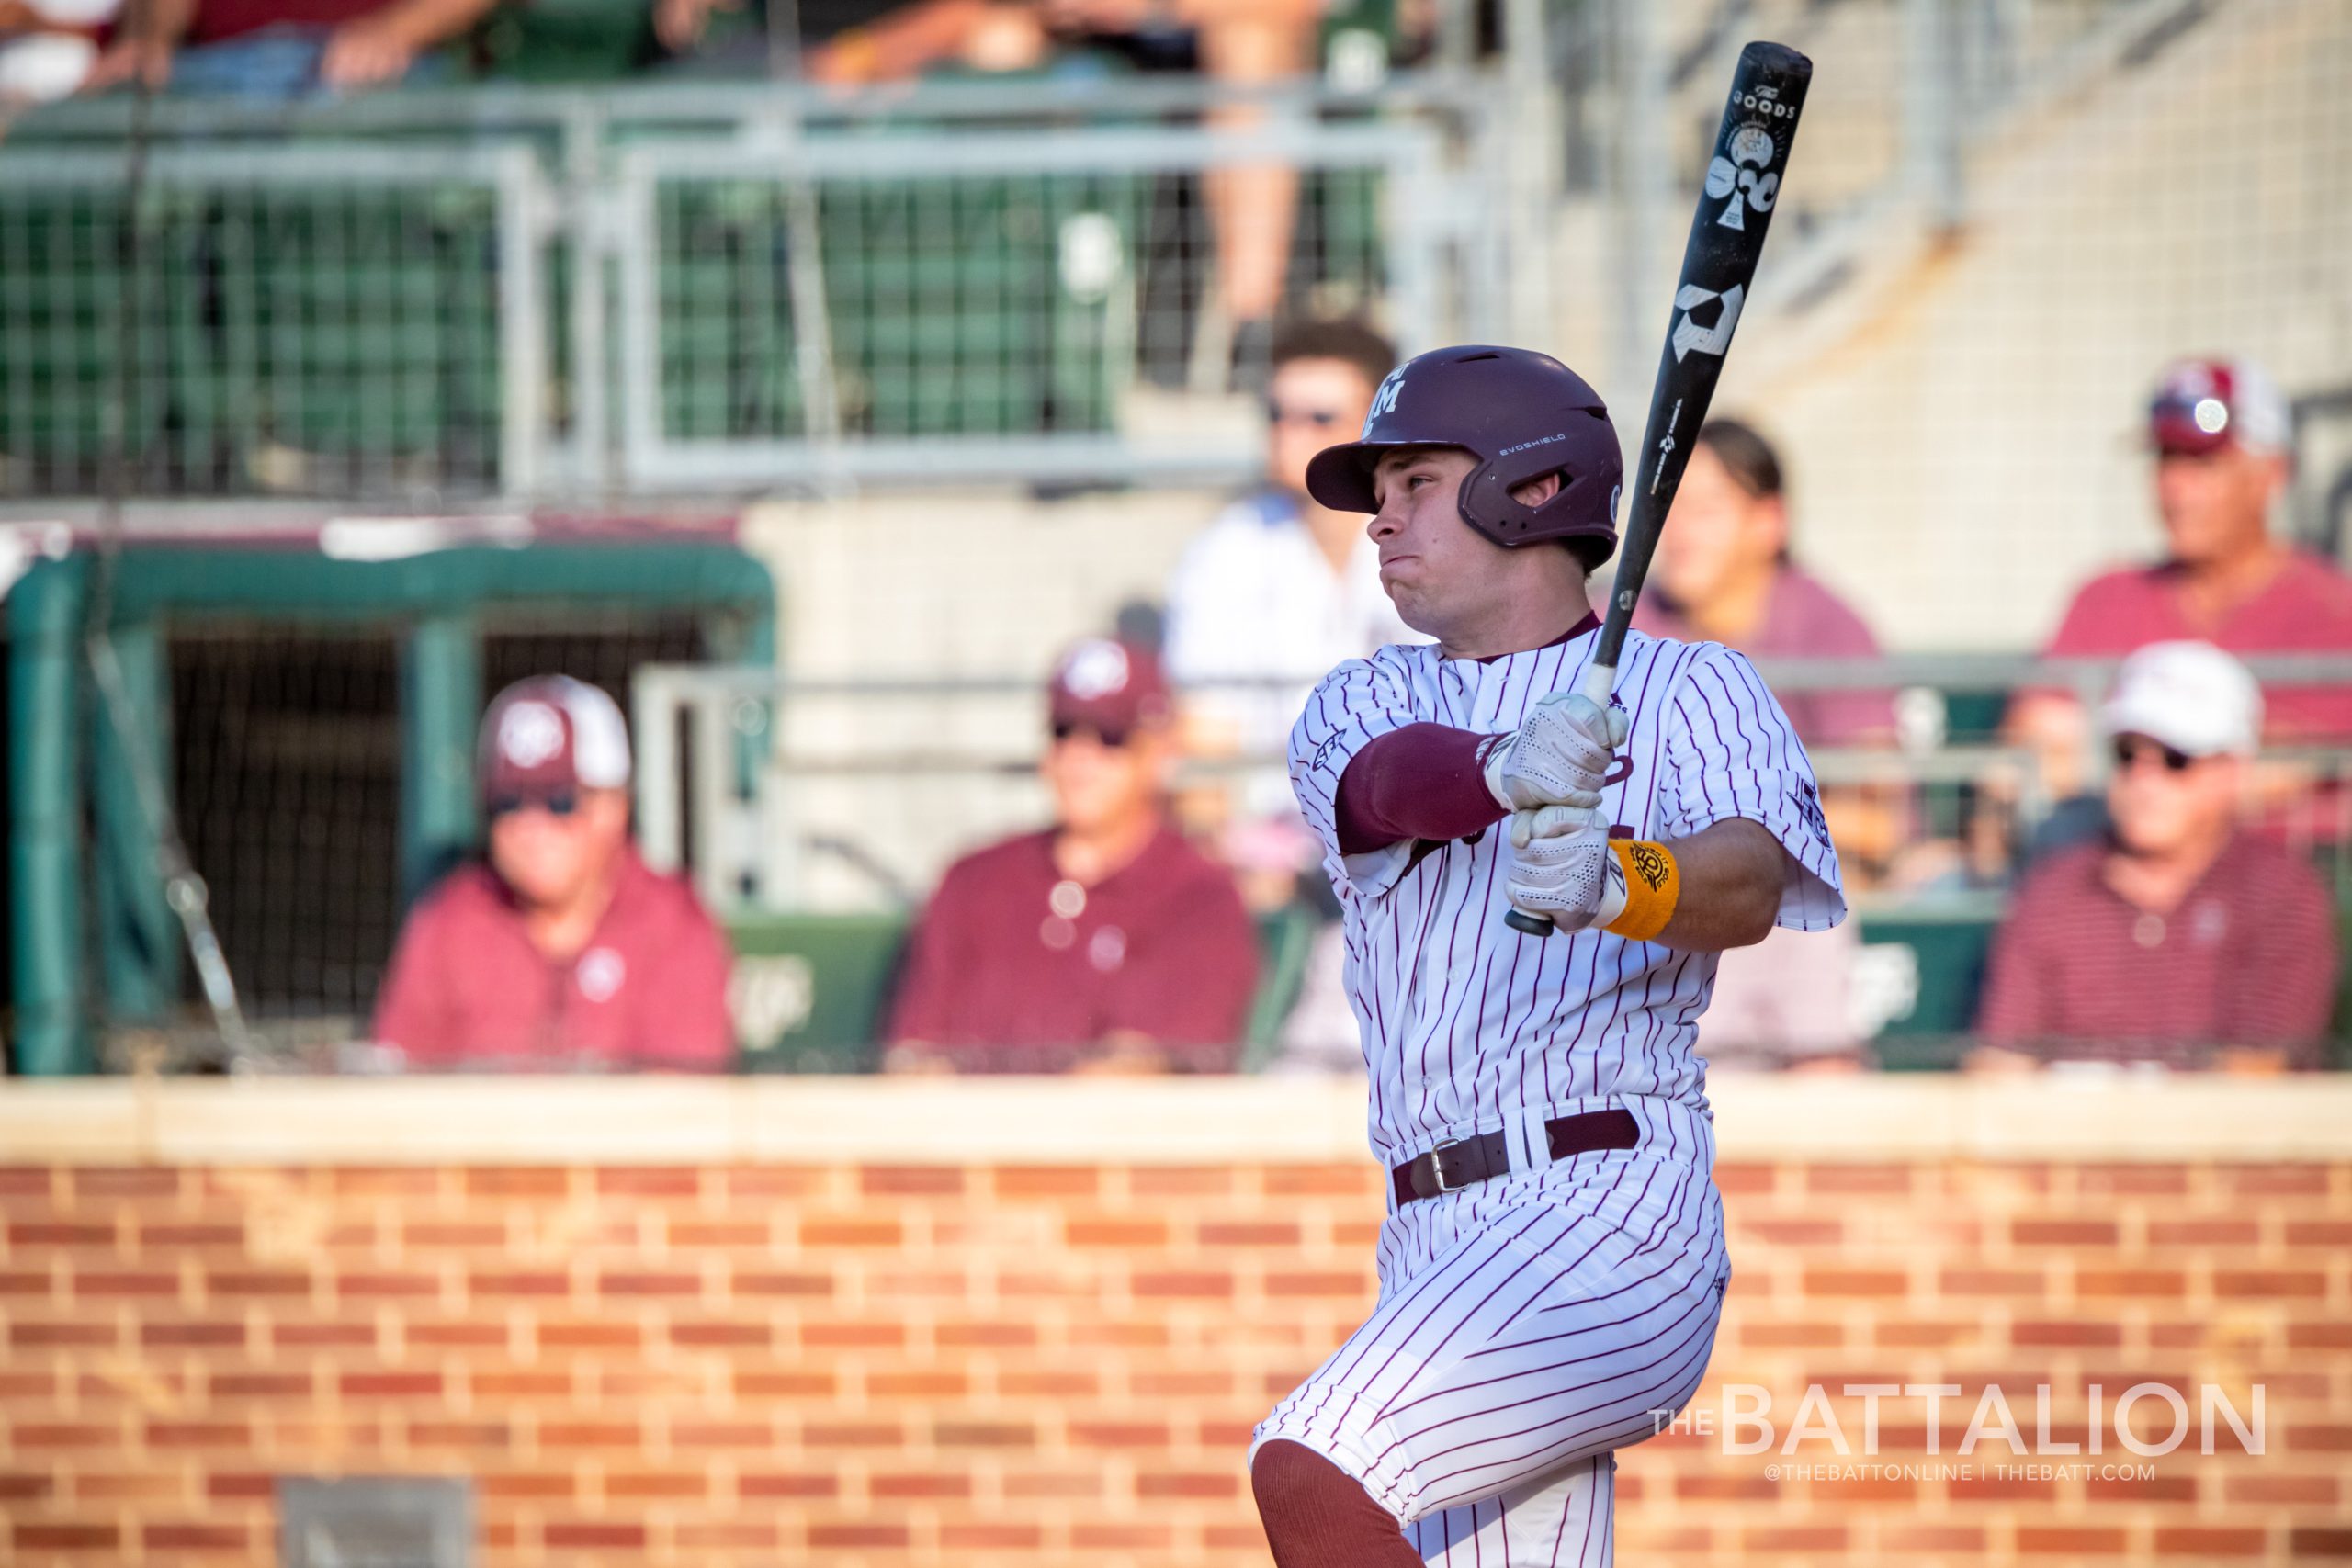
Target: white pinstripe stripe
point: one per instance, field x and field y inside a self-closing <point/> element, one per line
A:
<point x="1531" y="1323"/>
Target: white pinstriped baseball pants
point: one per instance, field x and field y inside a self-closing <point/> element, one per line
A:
<point x="1528" y="1327"/>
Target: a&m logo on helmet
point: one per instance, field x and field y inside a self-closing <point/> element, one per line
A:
<point x="1383" y="401"/>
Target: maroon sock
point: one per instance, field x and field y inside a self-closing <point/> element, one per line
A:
<point x="1317" y="1517"/>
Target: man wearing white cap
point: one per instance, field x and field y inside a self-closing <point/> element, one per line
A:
<point x="565" y="950"/>
<point x="2178" y="934"/>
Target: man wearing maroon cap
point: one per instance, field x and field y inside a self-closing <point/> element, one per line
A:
<point x="1106" y="942"/>
<point x="565" y="951"/>
<point x="2221" y="431"/>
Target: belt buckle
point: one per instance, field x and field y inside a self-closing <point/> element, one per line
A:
<point x="1437" y="1166"/>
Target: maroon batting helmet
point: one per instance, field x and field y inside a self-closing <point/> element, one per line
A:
<point x="1522" y="415"/>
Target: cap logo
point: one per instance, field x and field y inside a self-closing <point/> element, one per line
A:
<point x="2211" y="414"/>
<point x="1384" y="402"/>
<point x="530" y="734"/>
<point x="1096" y="669"/>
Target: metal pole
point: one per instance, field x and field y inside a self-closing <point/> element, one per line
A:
<point x="1644" y="191"/>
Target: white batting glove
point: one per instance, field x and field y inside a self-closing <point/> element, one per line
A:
<point x="1572" y="879"/>
<point x="1559" y="755"/>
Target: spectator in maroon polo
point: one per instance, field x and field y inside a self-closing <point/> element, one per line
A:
<point x="2179" y="936"/>
<point x="565" y="951"/>
<point x="1106" y="942"/>
<point x="2221" y="432"/>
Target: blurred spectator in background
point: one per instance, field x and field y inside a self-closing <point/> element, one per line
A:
<point x="1279" y="587"/>
<point x="1106" y="942"/>
<point x="283" y="49"/>
<point x="1724" y="573"/>
<point x="2221" y="431"/>
<point x="566" y="951"/>
<point x="46" y="48"/>
<point x="1253" y="209"/>
<point x="2179" y="933"/>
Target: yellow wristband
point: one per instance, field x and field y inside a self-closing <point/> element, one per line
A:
<point x="1653" y="885"/>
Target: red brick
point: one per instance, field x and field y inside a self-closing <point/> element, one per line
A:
<point x="443" y="1434"/>
<point x="787" y="1483"/>
<point x="671" y="1483"/>
<point x="930" y="1484"/>
<point x="2320" y="1541"/>
<point x="712" y="1334"/>
<point x="35" y="1334"/>
<point x="2063" y="1233"/>
<point x="23" y="1181"/>
<point x="1340" y="1285"/>
<point x="851" y="1233"/>
<point x="649" y="1181"/>
<point x="1181" y="1181"/>
<point x="386" y="1286"/>
<point x="2270" y="1283"/>
<point x="697" y="1236"/>
<point x="2056" y="1540"/>
<point x="1217" y="1484"/>
<point x="464" y="1235"/>
<point x="50" y="1232"/>
<point x="2206" y="1230"/>
<point x="172" y="1238"/>
<point x="984" y="1435"/>
<point x="101" y="1284"/>
<point x="911" y="1181"/>
<point x="1858" y="1181"/>
<point x="322" y="1334"/>
<point x="32" y="1537"/>
<point x="2207" y="1541"/>
<point x="390" y="1385"/>
<point x="528" y="1485"/>
<point x="990" y="1537"/>
<point x="1194" y="1285"/>
<point x="848" y="1536"/>
<point x="244" y="1385"/>
<point x="2274" y="1181"/>
<point x="238" y="1284"/>
<point x="1239" y="1233"/>
<point x="1744" y="1179"/>
<point x="188" y="1535"/>
<point x="1045" y="1181"/>
<point x="587" y="1534"/>
<point x="778" y="1283"/>
<point x="529" y="1285"/>
<point x="495" y="1181"/>
<point x="384" y="1181"/>
<point x="1865" y="1282"/>
<point x="199" y="1434"/>
<point x="123" y="1182"/>
<point x="1114" y="1233"/>
<point x="2042" y="1333"/>
<point x="648" y="1283"/>
<point x="2130" y="1283"/>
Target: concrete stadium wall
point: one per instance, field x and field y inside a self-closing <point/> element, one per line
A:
<point x="875" y="1322"/>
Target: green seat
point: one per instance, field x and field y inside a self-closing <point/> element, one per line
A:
<point x="1285" y="940"/>
<point x="810" y="992"/>
<point x="1952" y="950"/>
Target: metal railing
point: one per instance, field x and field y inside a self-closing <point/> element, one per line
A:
<point x="730" y="758"/>
<point x="720" y="287"/>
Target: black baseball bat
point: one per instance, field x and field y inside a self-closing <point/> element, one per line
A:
<point x="1743" y="188"/>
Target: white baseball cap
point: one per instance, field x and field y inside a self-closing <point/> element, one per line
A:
<point x="2190" y="696"/>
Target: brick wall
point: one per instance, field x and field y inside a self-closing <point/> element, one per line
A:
<point x="992" y="1362"/>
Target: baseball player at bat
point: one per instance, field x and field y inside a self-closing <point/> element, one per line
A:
<point x="1552" y="1264"/>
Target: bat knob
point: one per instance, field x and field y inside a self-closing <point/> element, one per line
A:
<point x="1531" y="925"/>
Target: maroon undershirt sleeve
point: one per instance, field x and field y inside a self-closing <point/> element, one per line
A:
<point x="1425" y="781"/>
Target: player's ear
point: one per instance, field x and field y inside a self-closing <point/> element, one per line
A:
<point x="1537" y="491"/>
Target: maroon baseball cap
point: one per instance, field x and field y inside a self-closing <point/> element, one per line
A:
<point x="2203" y="405"/>
<point x="1109" y="687"/>
<point x="551" y="735"/>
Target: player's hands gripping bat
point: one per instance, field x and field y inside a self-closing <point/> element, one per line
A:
<point x="1743" y="187"/>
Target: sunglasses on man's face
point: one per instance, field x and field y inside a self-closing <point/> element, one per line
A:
<point x="1115" y="739"/>
<point x="562" y="802"/>
<point x="1282" y="413"/>
<point x="2130" y="749"/>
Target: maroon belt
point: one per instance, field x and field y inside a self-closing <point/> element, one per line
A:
<point x="1449" y="1168"/>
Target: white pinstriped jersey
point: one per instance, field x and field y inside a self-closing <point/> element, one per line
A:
<point x="1469" y="1026"/>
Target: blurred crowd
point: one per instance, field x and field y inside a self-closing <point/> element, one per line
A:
<point x="2159" y="916"/>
